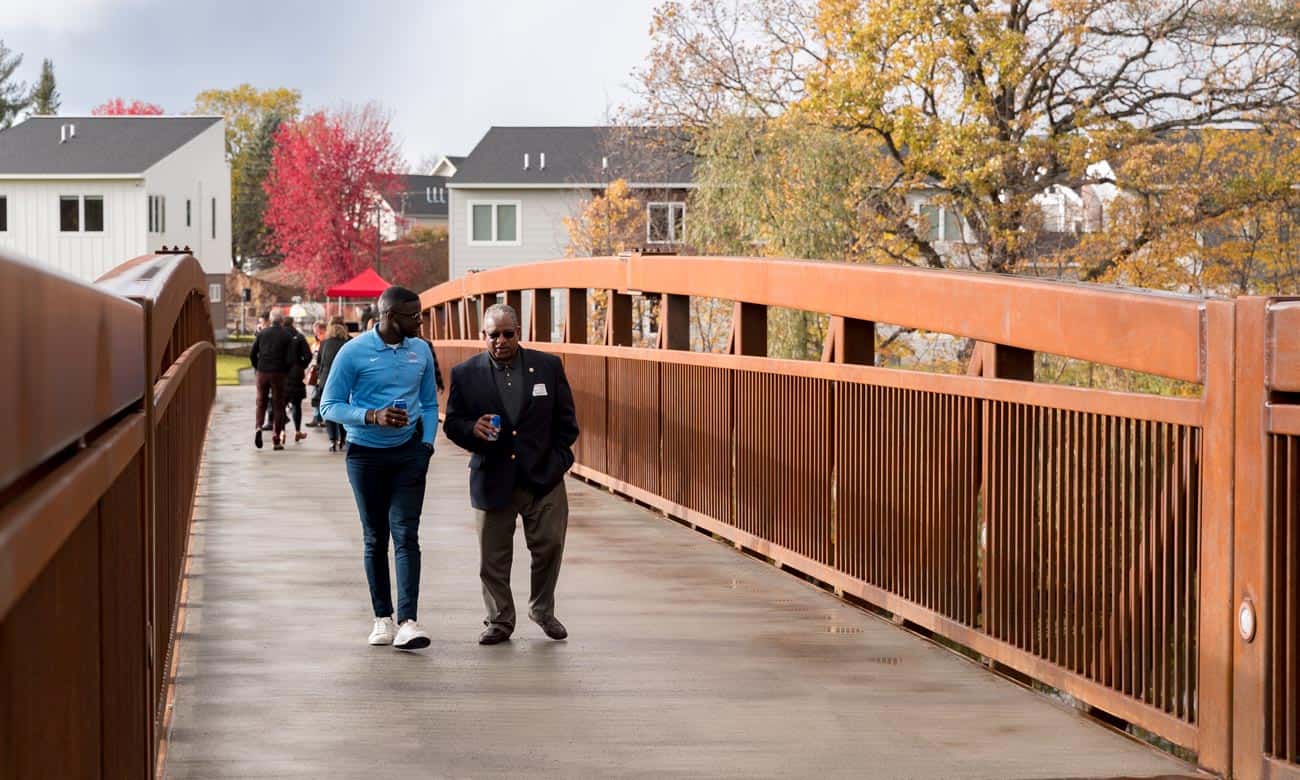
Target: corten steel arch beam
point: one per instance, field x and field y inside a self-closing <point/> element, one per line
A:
<point x="87" y="360"/>
<point x="1266" y="596"/>
<point x="165" y="283"/>
<point x="1106" y="325"/>
<point x="171" y="287"/>
<point x="105" y="388"/>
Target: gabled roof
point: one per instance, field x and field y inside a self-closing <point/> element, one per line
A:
<point x="419" y="196"/>
<point x="447" y="165"/>
<point x="576" y="156"/>
<point x="101" y="145"/>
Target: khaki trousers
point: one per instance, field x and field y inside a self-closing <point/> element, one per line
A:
<point x="546" y="519"/>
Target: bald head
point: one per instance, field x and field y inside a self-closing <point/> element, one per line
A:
<point x="501" y="332"/>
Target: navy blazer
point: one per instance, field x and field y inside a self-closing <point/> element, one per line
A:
<point x="536" y="451"/>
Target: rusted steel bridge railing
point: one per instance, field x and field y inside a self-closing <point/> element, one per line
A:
<point x="106" y="407"/>
<point x="1084" y="538"/>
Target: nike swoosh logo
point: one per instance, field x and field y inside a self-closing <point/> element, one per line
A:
<point x="373" y="359"/>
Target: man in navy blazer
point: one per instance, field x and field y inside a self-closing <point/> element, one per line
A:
<point x="517" y="469"/>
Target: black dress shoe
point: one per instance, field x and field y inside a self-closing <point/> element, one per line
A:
<point x="494" y="634"/>
<point x="257" y="439"/>
<point x="552" y="627"/>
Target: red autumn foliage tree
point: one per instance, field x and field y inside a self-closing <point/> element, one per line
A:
<point x="325" y="172"/>
<point x="119" y="107"/>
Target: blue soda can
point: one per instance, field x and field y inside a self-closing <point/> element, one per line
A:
<point x="400" y="403"/>
<point x="496" y="423"/>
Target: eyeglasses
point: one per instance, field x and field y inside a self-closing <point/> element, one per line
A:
<point x="500" y="334"/>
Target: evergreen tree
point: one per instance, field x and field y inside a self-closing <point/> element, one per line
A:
<point x="252" y="117"/>
<point x="45" y="99"/>
<point x="250" y="230"/>
<point x="14" y="96"/>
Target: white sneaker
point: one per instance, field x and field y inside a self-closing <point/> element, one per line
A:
<point x="383" y="631"/>
<point x="411" y="637"/>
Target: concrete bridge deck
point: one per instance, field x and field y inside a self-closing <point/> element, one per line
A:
<point x="685" y="657"/>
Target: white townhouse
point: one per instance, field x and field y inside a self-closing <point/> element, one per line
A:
<point x="82" y="194"/>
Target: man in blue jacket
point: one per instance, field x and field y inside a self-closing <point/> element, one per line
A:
<point x="382" y="389"/>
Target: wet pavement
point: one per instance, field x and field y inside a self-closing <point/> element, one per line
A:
<point x="685" y="658"/>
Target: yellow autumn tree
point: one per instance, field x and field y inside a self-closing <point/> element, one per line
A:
<point x="1209" y="211"/>
<point x="606" y="224"/>
<point x="985" y="107"/>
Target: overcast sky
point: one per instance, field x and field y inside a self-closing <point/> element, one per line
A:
<point x="445" y="69"/>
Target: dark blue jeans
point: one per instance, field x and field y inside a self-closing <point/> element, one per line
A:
<point x="388" y="484"/>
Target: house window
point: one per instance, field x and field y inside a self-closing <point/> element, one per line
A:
<point x="187" y="212"/>
<point x="214" y="217"/>
<point x="69" y="214"/>
<point x="157" y="214"/>
<point x="494" y="222"/>
<point x="81" y="213"/>
<point x="938" y="223"/>
<point x="92" y="210"/>
<point x="4" y="214"/>
<point x="665" y="223"/>
<point x="214" y="293"/>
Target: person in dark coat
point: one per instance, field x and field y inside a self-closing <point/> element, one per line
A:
<point x="270" y="357"/>
<point x="295" y="391"/>
<point x="321" y="332"/>
<point x="517" y="469"/>
<point x="437" y="372"/>
<point x="338" y="336"/>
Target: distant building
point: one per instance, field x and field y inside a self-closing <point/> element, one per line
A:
<point x="447" y="166"/>
<point x="82" y="194"/>
<point x="415" y="202"/>
<point x="510" y="196"/>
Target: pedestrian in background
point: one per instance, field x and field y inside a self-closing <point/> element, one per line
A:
<point x="437" y="370"/>
<point x="271" y="358"/>
<point x="314" y="381"/>
<point x="329" y="348"/>
<point x="295" y="390"/>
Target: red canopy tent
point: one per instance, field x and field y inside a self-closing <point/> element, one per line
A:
<point x="366" y="284"/>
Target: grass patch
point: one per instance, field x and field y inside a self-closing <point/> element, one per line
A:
<point x="228" y="368"/>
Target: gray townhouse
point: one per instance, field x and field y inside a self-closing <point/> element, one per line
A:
<point x="508" y="198"/>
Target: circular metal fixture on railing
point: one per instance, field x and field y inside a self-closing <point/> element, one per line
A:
<point x="1246" y="620"/>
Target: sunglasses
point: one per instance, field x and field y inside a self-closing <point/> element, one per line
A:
<point x="500" y="334"/>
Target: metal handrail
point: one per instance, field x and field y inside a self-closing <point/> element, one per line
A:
<point x="98" y="368"/>
<point x="1109" y="325"/>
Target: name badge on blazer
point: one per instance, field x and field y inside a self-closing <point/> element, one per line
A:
<point x="539" y="389"/>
